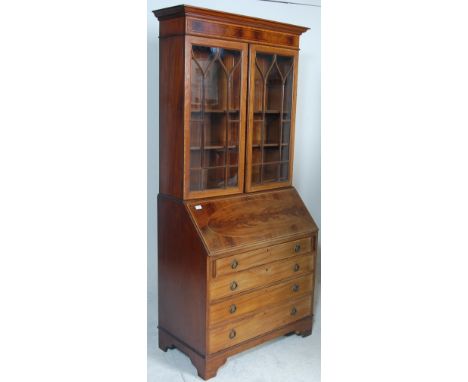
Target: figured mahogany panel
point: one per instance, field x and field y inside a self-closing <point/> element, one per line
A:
<point x="231" y="334"/>
<point x="242" y="305"/>
<point x="182" y="275"/>
<point x="257" y="277"/>
<point x="237" y="263"/>
<point x="240" y="33"/>
<point x="249" y="221"/>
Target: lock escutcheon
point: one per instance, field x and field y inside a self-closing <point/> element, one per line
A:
<point x="233" y="308"/>
<point x="293" y="311"/>
<point x="297" y="248"/>
<point x="297" y="267"/>
<point x="295" y="288"/>
<point x="234" y="285"/>
<point x="234" y="264"/>
<point x="232" y="334"/>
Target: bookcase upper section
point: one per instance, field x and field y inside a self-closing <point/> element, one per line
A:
<point x="227" y="97"/>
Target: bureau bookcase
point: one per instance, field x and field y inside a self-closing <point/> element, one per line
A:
<point x="236" y="244"/>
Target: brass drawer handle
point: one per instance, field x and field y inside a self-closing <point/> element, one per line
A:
<point x="232" y="334"/>
<point x="233" y="308"/>
<point x="297" y="248"/>
<point x="295" y="288"/>
<point x="296" y="267"/>
<point x="234" y="264"/>
<point x="234" y="285"/>
<point x="293" y="311"/>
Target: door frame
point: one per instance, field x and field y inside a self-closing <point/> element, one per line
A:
<point x="253" y="49"/>
<point x="217" y="43"/>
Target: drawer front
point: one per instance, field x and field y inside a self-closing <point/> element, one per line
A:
<point x="238" y="306"/>
<point x="230" y="285"/>
<point x="262" y="322"/>
<point x="261" y="256"/>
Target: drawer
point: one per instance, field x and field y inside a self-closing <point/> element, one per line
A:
<point x="238" y="306"/>
<point x="231" y="334"/>
<point x="263" y="275"/>
<point x="261" y="256"/>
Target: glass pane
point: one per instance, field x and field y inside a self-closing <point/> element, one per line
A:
<point x="214" y="158"/>
<point x="215" y="117"/>
<point x="195" y="159"/>
<point x="271" y="154"/>
<point x="284" y="171"/>
<point x="195" y="180"/>
<point x="270" y="173"/>
<point x="272" y="108"/>
<point x="215" y="129"/>
<point x="272" y="128"/>
<point x="284" y="152"/>
<point x="256" y="155"/>
<point x="233" y="157"/>
<point x="257" y="133"/>
<point x="256" y="174"/>
<point x="232" y="180"/>
<point x="213" y="178"/>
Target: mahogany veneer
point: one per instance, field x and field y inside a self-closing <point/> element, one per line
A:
<point x="236" y="244"/>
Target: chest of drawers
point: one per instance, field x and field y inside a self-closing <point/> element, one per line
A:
<point x="242" y="274"/>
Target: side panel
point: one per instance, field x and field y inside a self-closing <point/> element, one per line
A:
<point x="171" y="115"/>
<point x="182" y="275"/>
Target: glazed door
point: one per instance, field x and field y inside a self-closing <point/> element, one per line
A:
<point x="270" y="135"/>
<point x="215" y="112"/>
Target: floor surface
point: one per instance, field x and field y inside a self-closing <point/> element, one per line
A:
<point x="285" y="359"/>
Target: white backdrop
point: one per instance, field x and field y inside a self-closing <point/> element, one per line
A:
<point x="307" y="151"/>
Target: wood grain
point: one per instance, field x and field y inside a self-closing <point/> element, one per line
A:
<point x="171" y="116"/>
<point x="200" y="234"/>
<point x="199" y="26"/>
<point x="231" y="285"/>
<point x="182" y="276"/>
<point x="262" y="322"/>
<point x="213" y="15"/>
<point x="240" y="223"/>
<point x="243" y="261"/>
<point x="261" y="299"/>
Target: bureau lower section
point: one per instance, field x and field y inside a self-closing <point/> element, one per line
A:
<point x="221" y="294"/>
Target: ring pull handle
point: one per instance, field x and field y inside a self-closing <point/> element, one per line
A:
<point x="293" y="311"/>
<point x="232" y="334"/>
<point x="234" y="285"/>
<point x="234" y="264"/>
<point x="295" y="288"/>
<point x="233" y="309"/>
<point x="297" y="267"/>
<point x="297" y="248"/>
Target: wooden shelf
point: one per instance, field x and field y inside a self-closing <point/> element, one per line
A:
<point x="219" y="147"/>
<point x="201" y="120"/>
<point x="270" y="145"/>
<point x="268" y="112"/>
<point x="215" y="111"/>
<point x="274" y="162"/>
<point x="213" y="167"/>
